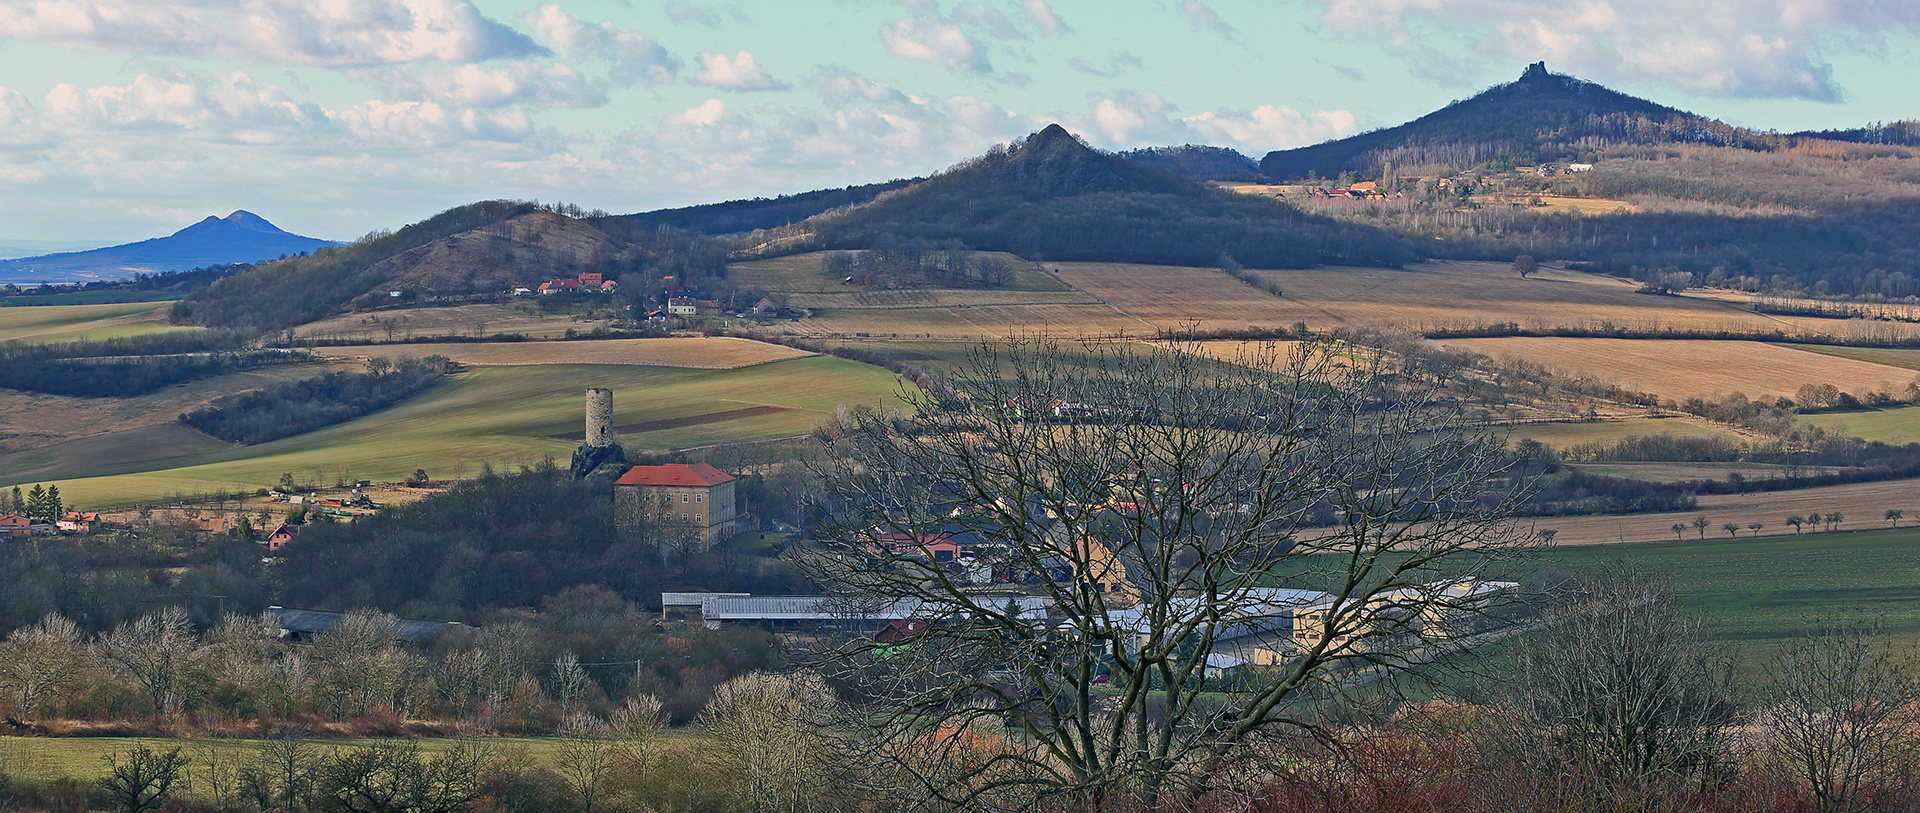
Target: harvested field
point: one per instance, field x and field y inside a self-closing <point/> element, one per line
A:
<point x="1425" y="297"/>
<point x="1672" y="368"/>
<point x="1864" y="505"/>
<point x="972" y="322"/>
<point x="69" y="323"/>
<point x="699" y="352"/>
<point x="1172" y="297"/>
<point x="460" y="320"/>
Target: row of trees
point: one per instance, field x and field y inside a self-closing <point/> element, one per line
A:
<point x="918" y="261"/>
<point x="160" y="674"/>
<point x="42" y="503"/>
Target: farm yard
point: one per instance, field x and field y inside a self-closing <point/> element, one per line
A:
<point x="1676" y="369"/>
<point x="42" y="324"/>
<point x="515" y="416"/>
<point x="699" y="352"/>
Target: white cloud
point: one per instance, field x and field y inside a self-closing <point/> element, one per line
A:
<point x="687" y="13"/>
<point x="984" y="16"/>
<point x="635" y="58"/>
<point x="1204" y="18"/>
<point x="519" y="82"/>
<point x="1754" y="48"/>
<point x="1269" y="127"/>
<point x="1043" y="16"/>
<point x="233" y="108"/>
<point x="341" y="33"/>
<point x="931" y="38"/>
<point x="740" y="72"/>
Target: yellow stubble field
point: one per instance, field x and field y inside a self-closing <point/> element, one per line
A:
<point x="1674" y="368"/>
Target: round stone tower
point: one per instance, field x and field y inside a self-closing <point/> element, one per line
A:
<point x="599" y="417"/>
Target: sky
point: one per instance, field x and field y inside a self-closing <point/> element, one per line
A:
<point x="128" y="119"/>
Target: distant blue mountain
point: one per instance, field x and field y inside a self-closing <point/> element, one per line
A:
<point x="237" y="238"/>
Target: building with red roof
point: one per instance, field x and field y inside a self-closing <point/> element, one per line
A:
<point x="696" y="500"/>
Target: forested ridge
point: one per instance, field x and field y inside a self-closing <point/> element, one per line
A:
<point x="1052" y="197"/>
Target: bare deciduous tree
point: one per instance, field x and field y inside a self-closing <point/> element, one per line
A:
<point x="143" y="780"/>
<point x="1841" y="714"/>
<point x="1624" y="689"/>
<point x="40" y="659"/>
<point x="769" y="734"/>
<point x="153" y="650"/>
<point x="590" y="751"/>
<point x="1148" y="495"/>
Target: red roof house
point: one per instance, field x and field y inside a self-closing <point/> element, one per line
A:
<point x="674" y="474"/>
<point x="15" y="525"/>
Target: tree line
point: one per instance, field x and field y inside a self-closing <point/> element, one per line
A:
<point x="301" y="406"/>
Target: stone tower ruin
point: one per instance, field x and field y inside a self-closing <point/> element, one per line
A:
<point x="599" y="417"/>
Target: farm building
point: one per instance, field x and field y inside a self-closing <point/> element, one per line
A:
<point x="698" y="498"/>
<point x="1436" y="611"/>
<point x="79" y="521"/>
<point x="300" y="626"/>
<point x="813" y="612"/>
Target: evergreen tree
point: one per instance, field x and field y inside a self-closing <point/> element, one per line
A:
<point x="54" y="507"/>
<point x="37" y="502"/>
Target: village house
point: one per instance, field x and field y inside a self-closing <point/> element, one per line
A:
<point x="213" y="526"/>
<point x="698" y="498"/>
<point x="682" y="306"/>
<point x="278" y="540"/>
<point x="15" y="525"/>
<point x="80" y="521"/>
<point x="558" y="286"/>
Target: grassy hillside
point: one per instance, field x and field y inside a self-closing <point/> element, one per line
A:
<point x="511" y="415"/>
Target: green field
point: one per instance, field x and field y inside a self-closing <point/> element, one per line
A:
<point x="67" y="323"/>
<point x="505" y="416"/>
<point x="108" y="296"/>
<point x="1900" y="425"/>
<point x="1757" y="593"/>
<point x="1562" y="435"/>
<point x="1891" y="357"/>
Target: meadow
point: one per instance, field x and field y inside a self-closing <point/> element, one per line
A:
<point x="1676" y="369"/>
<point x="42" y="324"/>
<point x="512" y="416"/>
<point x="700" y="352"/>
<point x="1562" y="435"/>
